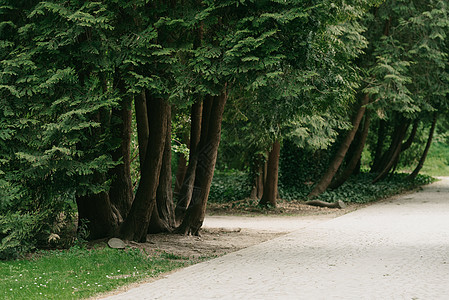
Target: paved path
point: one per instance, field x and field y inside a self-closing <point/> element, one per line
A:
<point x="397" y="249"/>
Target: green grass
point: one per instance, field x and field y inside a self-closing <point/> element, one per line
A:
<point x="79" y="273"/>
<point x="437" y="162"/>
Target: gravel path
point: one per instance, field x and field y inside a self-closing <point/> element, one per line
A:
<point x="396" y="249"/>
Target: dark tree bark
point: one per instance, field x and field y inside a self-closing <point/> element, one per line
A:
<point x="185" y="194"/>
<point x="259" y="177"/>
<point x="355" y="159"/>
<point x="207" y="156"/>
<point x="143" y="127"/>
<point x="135" y="226"/>
<point x="326" y="179"/>
<point x="96" y="213"/>
<point x="390" y="157"/>
<point x="181" y="171"/>
<point x="381" y="133"/>
<point x="426" y="149"/>
<point x="406" y="145"/>
<point x="270" y="188"/>
<point x="411" y="138"/>
<point x="164" y="193"/>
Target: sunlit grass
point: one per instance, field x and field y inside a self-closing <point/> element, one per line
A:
<point x="80" y="273"/>
<point x="437" y="162"/>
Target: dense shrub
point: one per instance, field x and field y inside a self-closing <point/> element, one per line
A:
<point x="229" y="186"/>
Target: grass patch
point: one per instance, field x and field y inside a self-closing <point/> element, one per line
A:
<point x="79" y="273"/>
<point x="437" y="161"/>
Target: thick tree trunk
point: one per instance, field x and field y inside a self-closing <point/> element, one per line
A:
<point x="322" y="185"/>
<point x="121" y="190"/>
<point x="185" y="194"/>
<point x="164" y="194"/>
<point x="135" y="226"/>
<point x="95" y="212"/>
<point x="270" y="188"/>
<point x="393" y="153"/>
<point x="426" y="149"/>
<point x="381" y="132"/>
<point x="207" y="156"/>
<point x="355" y="159"/>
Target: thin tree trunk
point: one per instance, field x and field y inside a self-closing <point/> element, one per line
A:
<point x="426" y="149"/>
<point x="355" y="159"/>
<point x="181" y="171"/>
<point x="185" y="194"/>
<point x="379" y="146"/>
<point x="411" y="138"/>
<point x="322" y="185"/>
<point x="208" y="148"/>
<point x="393" y="154"/>
<point x="143" y="127"/>
<point x="135" y="226"/>
<point x="396" y="140"/>
<point x="258" y="175"/>
<point x="270" y="188"/>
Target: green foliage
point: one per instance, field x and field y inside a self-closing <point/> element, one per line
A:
<point x="52" y="93"/>
<point x="360" y="189"/>
<point x="437" y="162"/>
<point x="229" y="186"/>
<point x="18" y="234"/>
<point x="80" y="273"/>
<point x="299" y="167"/>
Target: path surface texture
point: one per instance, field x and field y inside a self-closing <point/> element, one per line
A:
<point x="396" y="249"/>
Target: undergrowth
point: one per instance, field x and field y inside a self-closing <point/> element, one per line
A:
<point x="231" y="186"/>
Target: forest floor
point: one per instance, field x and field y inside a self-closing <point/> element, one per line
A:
<point x="234" y="226"/>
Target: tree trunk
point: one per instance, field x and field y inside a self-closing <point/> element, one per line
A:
<point x="258" y="177"/>
<point x="185" y="194"/>
<point x="322" y="185"/>
<point x="135" y="226"/>
<point x="121" y="190"/>
<point x="426" y="149"/>
<point x="207" y="156"/>
<point x="394" y="151"/>
<point x="381" y="132"/>
<point x="270" y="188"/>
<point x="411" y="138"/>
<point x="355" y="159"/>
<point x="95" y="212"/>
<point x="164" y="193"/>
<point x="143" y="127"/>
<point x="181" y="171"/>
<point x="338" y="204"/>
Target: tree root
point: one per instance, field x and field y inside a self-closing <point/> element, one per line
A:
<point x="339" y="204"/>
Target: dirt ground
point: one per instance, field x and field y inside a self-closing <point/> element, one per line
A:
<point x="234" y="226"/>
